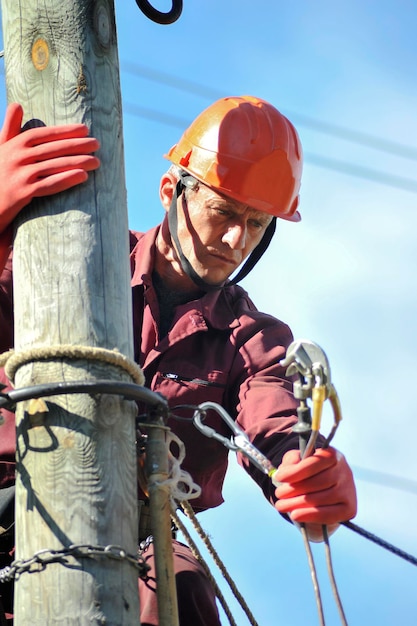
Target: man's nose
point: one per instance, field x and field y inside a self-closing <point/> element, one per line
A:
<point x="235" y="236"/>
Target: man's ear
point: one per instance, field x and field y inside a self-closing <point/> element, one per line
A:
<point x="166" y="189"/>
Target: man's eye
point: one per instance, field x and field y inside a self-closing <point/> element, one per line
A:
<point x="256" y="224"/>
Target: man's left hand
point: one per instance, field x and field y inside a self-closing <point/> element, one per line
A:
<point x="318" y="490"/>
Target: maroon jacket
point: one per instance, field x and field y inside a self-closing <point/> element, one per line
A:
<point x="220" y="348"/>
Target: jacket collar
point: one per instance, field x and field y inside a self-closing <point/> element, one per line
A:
<point x="215" y="306"/>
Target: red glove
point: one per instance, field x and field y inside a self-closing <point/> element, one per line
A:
<point x="318" y="490"/>
<point x="40" y="162"/>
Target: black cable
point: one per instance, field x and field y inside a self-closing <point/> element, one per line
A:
<point x="158" y="16"/>
<point x="381" y="542"/>
<point x="129" y="391"/>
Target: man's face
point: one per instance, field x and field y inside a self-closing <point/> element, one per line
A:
<point x="217" y="233"/>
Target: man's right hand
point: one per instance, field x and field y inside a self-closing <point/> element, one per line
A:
<point x="40" y="162"/>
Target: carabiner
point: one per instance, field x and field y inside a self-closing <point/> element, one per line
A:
<point x="200" y="414"/>
<point x="239" y="440"/>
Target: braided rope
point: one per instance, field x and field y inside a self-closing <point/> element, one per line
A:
<point x="188" y="510"/>
<point x="196" y="552"/>
<point x="11" y="361"/>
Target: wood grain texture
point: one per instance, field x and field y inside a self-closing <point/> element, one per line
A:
<point x="76" y="462"/>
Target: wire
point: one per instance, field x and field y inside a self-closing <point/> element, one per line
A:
<point x="155" y="116"/>
<point x="371" y="141"/>
<point x="364" y="139"/>
<point x="381" y="542"/>
<point x="383" y="178"/>
<point x="177" y="82"/>
<point x="330" y="571"/>
<point x="386" y="480"/>
<point x="378" y="176"/>
<point x="313" y="573"/>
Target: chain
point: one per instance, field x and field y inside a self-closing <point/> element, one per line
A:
<point x="42" y="558"/>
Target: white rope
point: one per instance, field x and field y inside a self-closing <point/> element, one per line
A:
<point x="180" y="483"/>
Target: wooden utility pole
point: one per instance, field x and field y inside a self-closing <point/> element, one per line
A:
<point x="76" y="481"/>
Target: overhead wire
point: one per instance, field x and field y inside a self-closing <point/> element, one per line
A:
<point x="376" y="143"/>
<point x="344" y="167"/>
<point x="364" y="139"/>
<point x="358" y="171"/>
<point x="377" y="176"/>
<point x="391" y="481"/>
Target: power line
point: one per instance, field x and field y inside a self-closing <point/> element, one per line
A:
<point x="354" y="136"/>
<point x="377" y="176"/>
<point x="155" y="116"/>
<point x="204" y="91"/>
<point x="384" y="479"/>
<point x="182" y="84"/>
<point x="351" y="169"/>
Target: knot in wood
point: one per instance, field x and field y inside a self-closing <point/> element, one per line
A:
<point x="40" y="54"/>
<point x="102" y="25"/>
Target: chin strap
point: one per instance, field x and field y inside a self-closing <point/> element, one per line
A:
<point x="186" y="180"/>
<point x="256" y="254"/>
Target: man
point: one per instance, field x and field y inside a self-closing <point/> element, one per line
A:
<point x="198" y="336"/>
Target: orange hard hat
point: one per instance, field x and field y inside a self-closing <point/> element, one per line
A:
<point x="244" y="148"/>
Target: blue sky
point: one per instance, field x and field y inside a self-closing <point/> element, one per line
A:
<point x="343" y="277"/>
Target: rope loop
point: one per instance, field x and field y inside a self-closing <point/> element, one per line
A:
<point x="180" y="483"/>
<point x="11" y="360"/>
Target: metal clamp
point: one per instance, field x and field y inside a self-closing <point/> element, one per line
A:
<point x="309" y="362"/>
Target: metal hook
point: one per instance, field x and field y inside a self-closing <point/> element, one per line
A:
<point x="239" y="440"/>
